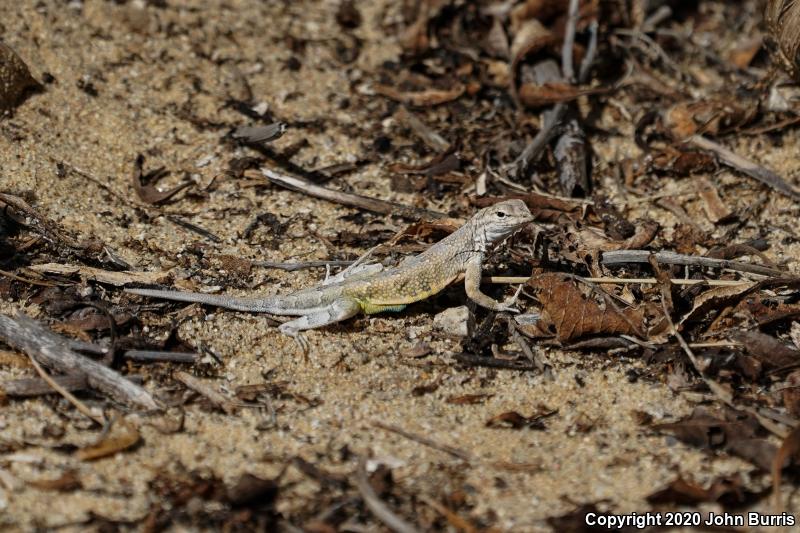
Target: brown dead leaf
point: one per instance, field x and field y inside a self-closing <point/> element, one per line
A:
<point x="424" y="98"/>
<point x="572" y="314"/>
<point x="535" y="95"/>
<point x="715" y="299"/>
<point x="724" y="429"/>
<point x="469" y="399"/>
<point x="66" y="482"/>
<point x="592" y="240"/>
<point x="514" y="420"/>
<point x="441" y="164"/>
<point x="148" y="193"/>
<point x="707" y="117"/>
<point x="122" y="437"/>
<point x="766" y="310"/>
<point x="767" y="349"/>
<point x="727" y="490"/>
<point x="681" y="162"/>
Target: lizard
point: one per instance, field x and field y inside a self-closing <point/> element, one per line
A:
<point x="417" y="278"/>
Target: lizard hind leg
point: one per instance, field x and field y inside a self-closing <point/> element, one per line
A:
<point x="338" y="310"/>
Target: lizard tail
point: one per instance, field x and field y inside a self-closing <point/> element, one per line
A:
<point x="254" y="305"/>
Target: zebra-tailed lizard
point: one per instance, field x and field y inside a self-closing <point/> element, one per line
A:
<point x="365" y="290"/>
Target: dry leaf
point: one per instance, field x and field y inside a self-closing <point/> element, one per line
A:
<point x="711" y="117"/>
<point x="535" y="95"/>
<point x="573" y="315"/>
<point x="767" y="349"/>
<point x="514" y="420"/>
<point x="427" y="97"/>
<point x="148" y="193"/>
<point x="67" y="482"/>
<point x="727" y="490"/>
<point x="125" y="437"/>
<point x="469" y="399"/>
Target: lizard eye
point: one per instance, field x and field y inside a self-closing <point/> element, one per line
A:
<point x="501" y="214"/>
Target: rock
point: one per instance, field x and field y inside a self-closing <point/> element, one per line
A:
<point x="15" y="78"/>
<point x="453" y="321"/>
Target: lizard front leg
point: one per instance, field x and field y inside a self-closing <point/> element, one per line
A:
<point x="472" y="284"/>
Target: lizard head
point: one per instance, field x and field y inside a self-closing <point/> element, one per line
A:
<point x="503" y="219"/>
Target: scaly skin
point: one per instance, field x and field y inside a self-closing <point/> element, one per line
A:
<point x="413" y="280"/>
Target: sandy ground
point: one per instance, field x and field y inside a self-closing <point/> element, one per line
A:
<point x="157" y="74"/>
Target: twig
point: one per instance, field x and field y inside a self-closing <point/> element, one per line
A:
<point x="150" y="356"/>
<point x="745" y="166"/>
<point x="647" y="281"/>
<point x="429" y="136"/>
<point x="376" y="505"/>
<point x="13" y="276"/>
<point x="111" y="277"/>
<point x="536" y="358"/>
<point x="671" y="258"/>
<point x="493" y="362"/>
<point x="28" y="387"/>
<point x="193" y="227"/>
<point x="301" y="265"/>
<point x="25" y="334"/>
<point x="79" y="405"/>
<point x="212" y="395"/>
<point x="349" y="199"/>
<point x="567" y="50"/>
<point x="450" y="450"/>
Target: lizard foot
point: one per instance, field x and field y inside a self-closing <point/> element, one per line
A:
<point x="298" y="337"/>
<point x="508" y="305"/>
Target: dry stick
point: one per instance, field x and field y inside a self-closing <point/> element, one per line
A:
<point x="154" y="356"/>
<point x="648" y="281"/>
<point x="428" y="135"/>
<point x="353" y="200"/>
<point x="569" y="41"/>
<point x="300" y="265"/>
<point x="25" y="334"/>
<point x="450" y="450"/>
<point x="212" y="395"/>
<point x="745" y="166"/>
<point x="29" y="281"/>
<point x="79" y="405"/>
<point x="671" y="258"/>
<point x="376" y="505"/>
<point x="28" y="387"/>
